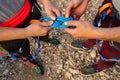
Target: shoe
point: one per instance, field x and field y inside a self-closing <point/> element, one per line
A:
<point x="38" y="68"/>
<point x="87" y="70"/>
<point x="79" y="45"/>
<point x="54" y="41"/>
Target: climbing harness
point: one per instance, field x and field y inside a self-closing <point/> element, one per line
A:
<point x="22" y="17"/>
<point x="4" y="52"/>
<point x="16" y="19"/>
<point x="101" y="56"/>
<point x="38" y="69"/>
<point x="104" y="11"/>
<point x="57" y="23"/>
<point x="37" y="51"/>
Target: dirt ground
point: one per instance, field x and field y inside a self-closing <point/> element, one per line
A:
<point x="60" y="62"/>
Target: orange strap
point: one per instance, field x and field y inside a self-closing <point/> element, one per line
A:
<point x="106" y="7"/>
<point x="34" y="21"/>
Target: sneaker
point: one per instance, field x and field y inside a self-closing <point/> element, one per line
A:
<point x="54" y="41"/>
<point x="87" y="70"/>
<point x="78" y="45"/>
<point x="38" y="68"/>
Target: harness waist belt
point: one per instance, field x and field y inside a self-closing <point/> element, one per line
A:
<point x="18" y="17"/>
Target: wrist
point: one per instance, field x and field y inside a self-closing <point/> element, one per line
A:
<point x="102" y="33"/>
<point x="28" y="32"/>
<point x="94" y="33"/>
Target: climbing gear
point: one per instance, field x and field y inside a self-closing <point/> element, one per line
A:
<point x="101" y="56"/>
<point x="29" y="61"/>
<point x="34" y="21"/>
<point x="3" y="56"/>
<point x="116" y="45"/>
<point x="28" y="5"/>
<point x="29" y="10"/>
<point x="23" y="16"/>
<point x="108" y="59"/>
<point x="18" y="17"/>
<point x="11" y="55"/>
<point x="57" y="23"/>
<point x="87" y="70"/>
<point x="37" y="51"/>
<point x="104" y="11"/>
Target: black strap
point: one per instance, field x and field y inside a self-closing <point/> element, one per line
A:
<point x="112" y="18"/>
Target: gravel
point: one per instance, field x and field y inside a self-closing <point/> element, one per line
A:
<point x="61" y="62"/>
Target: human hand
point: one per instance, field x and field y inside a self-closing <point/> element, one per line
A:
<point x="51" y="10"/>
<point x="38" y="28"/>
<point x="83" y="29"/>
<point x="76" y="8"/>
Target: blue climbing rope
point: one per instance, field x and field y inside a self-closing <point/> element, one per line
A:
<point x="58" y="22"/>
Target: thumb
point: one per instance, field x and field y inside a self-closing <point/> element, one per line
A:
<point x="51" y="14"/>
<point x="57" y="12"/>
<point x="72" y="23"/>
<point x="68" y="30"/>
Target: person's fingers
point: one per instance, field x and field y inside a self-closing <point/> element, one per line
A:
<point x="68" y="30"/>
<point x="76" y="17"/>
<point x="52" y="15"/>
<point x="46" y="29"/>
<point x="57" y="12"/>
<point x="72" y="23"/>
<point x="46" y="23"/>
<point x="68" y="10"/>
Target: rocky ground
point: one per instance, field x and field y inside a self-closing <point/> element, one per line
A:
<point x="61" y="62"/>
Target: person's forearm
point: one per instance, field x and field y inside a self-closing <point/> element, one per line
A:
<point x="108" y="33"/>
<point x="13" y="33"/>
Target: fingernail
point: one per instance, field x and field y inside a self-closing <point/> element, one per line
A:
<point x="53" y="18"/>
<point x="50" y="22"/>
<point x="66" y="16"/>
<point x="65" y="23"/>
